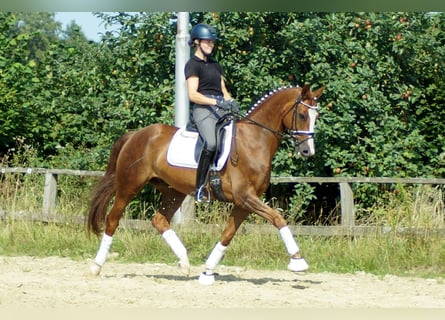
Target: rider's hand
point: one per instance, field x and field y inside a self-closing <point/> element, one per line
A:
<point x="229" y="105"/>
<point x="235" y="106"/>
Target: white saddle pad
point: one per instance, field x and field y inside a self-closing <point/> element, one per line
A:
<point x="181" y="151"/>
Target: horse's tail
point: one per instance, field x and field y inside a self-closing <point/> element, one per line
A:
<point x="105" y="189"/>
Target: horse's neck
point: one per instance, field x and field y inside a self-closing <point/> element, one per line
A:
<point x="271" y="112"/>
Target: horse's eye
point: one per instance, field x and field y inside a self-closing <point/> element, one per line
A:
<point x="302" y="116"/>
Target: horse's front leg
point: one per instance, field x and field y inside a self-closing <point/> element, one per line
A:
<point x="235" y="219"/>
<point x="297" y="262"/>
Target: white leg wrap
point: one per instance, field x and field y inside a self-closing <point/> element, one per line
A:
<point x="215" y="257"/>
<point x="175" y="244"/>
<point x="298" y="265"/>
<point x="289" y="241"/>
<point x="104" y="248"/>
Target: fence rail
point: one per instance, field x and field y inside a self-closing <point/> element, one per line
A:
<point x="347" y="226"/>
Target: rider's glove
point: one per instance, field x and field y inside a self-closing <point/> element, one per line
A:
<point x="229" y="105"/>
<point x="235" y="106"/>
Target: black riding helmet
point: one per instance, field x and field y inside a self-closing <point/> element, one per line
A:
<point x="203" y="31"/>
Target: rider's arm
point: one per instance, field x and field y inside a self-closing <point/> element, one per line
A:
<point x="195" y="96"/>
<point x="226" y="93"/>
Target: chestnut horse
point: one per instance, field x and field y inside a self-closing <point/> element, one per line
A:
<point x="140" y="157"/>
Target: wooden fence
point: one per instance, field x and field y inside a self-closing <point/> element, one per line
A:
<point x="347" y="226"/>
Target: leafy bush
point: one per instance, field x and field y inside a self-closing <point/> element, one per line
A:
<point x="381" y="114"/>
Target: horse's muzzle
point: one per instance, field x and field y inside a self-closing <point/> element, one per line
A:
<point x="305" y="148"/>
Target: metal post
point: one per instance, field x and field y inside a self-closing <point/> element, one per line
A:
<point x="182" y="105"/>
<point x="182" y="56"/>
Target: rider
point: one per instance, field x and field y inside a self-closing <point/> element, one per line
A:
<point x="208" y="92"/>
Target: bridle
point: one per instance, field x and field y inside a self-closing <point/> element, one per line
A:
<point x="293" y="132"/>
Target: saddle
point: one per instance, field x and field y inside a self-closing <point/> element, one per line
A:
<point x="186" y="145"/>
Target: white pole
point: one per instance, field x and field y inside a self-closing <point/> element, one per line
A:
<point x="182" y="56"/>
<point x="182" y="105"/>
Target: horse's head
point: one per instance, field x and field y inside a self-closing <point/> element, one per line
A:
<point x="301" y="120"/>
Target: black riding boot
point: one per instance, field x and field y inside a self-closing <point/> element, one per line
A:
<point x="202" y="173"/>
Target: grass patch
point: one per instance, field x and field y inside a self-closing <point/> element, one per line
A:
<point x="377" y="254"/>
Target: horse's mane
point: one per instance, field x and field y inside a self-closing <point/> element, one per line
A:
<point x="267" y="96"/>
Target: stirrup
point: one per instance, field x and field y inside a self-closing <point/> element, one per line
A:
<point x="200" y="196"/>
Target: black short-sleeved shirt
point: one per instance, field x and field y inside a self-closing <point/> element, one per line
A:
<point x="209" y="73"/>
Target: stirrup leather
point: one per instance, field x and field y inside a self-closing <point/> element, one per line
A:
<point x="200" y="195"/>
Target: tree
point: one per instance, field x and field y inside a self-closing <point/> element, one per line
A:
<point x="381" y="112"/>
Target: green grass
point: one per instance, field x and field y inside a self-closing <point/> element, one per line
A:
<point x="377" y="254"/>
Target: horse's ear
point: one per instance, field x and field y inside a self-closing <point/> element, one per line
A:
<point x="305" y="92"/>
<point x="317" y="93"/>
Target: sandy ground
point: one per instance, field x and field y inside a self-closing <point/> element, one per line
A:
<point x="56" y="282"/>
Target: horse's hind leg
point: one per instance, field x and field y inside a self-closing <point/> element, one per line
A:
<point x="112" y="222"/>
<point x="171" y="201"/>
<point x="128" y="184"/>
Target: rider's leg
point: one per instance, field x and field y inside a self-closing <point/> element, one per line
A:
<point x="205" y="119"/>
<point x="202" y="173"/>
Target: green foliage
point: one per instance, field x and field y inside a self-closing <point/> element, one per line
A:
<point x="381" y="113"/>
<point x="380" y="96"/>
<point x="381" y="72"/>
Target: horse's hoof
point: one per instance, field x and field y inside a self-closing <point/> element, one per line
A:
<point x="184" y="266"/>
<point x="95" y="269"/>
<point x="206" y="279"/>
<point x="298" y="265"/>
